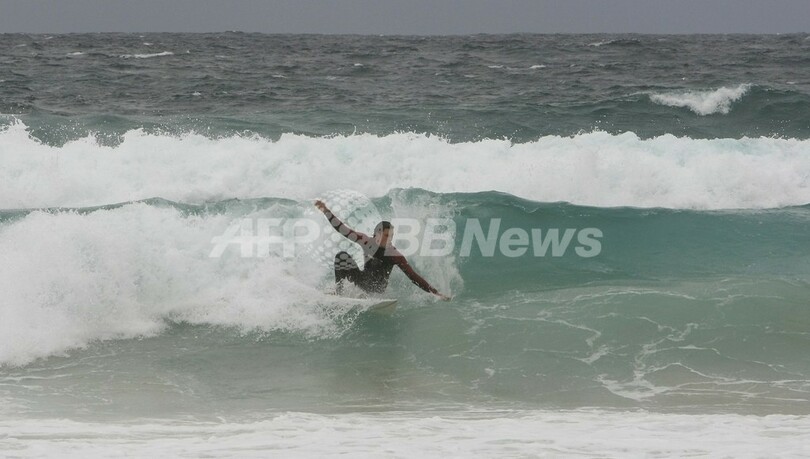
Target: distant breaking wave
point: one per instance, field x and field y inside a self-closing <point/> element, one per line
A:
<point x="703" y="102"/>
<point x="617" y="42"/>
<point x="146" y="56"/>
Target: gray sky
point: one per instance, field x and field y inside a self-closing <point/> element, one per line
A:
<point x="406" y="16"/>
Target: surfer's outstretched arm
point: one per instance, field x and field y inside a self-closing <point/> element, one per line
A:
<point x="416" y="278"/>
<point x="340" y="227"/>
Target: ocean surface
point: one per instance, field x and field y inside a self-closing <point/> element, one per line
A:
<point x="683" y="329"/>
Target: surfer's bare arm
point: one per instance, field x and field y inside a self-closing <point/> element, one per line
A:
<point x="416" y="278"/>
<point x="339" y="226"/>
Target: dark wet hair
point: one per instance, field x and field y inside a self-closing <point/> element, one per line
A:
<point x="382" y="226"/>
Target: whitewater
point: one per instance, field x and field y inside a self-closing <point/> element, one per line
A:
<point x="595" y="169"/>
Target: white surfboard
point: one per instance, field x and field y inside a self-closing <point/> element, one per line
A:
<point x="384" y="306"/>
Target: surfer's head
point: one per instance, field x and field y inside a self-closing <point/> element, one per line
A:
<point x="383" y="233"/>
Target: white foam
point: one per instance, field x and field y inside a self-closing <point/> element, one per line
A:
<point x="597" y="44"/>
<point x="146" y="56"/>
<point x="703" y="102"/>
<point x="69" y="279"/>
<point x="597" y="169"/>
<point x="427" y="434"/>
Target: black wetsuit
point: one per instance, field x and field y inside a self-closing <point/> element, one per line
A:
<point x="379" y="262"/>
<point x="372" y="278"/>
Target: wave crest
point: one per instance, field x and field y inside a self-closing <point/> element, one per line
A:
<point x="596" y="169"/>
<point x="146" y="56"/>
<point x="703" y="102"/>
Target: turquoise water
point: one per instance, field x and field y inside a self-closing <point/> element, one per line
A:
<point x="680" y="311"/>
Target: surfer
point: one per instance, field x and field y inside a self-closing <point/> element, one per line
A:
<point x="380" y="258"/>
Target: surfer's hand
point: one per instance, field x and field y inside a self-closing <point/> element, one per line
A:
<point x="444" y="297"/>
<point x="320" y="205"/>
